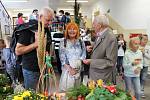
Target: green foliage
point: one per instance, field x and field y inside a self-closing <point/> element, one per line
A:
<point x="3" y="80"/>
<point x="5" y="88"/>
<point x="76" y="91"/>
<point x="123" y="94"/>
<point x="101" y="93"/>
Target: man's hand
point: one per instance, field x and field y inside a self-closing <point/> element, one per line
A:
<point x="87" y="61"/>
<point x="89" y="48"/>
<point x="36" y="40"/>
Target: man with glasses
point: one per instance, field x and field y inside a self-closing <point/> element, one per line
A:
<point x="27" y="45"/>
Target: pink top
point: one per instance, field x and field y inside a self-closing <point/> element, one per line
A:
<point x="20" y="21"/>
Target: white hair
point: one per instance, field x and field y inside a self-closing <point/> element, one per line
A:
<point x="46" y="11"/>
<point x="101" y="19"/>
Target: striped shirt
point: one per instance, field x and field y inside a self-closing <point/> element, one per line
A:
<point x="56" y="38"/>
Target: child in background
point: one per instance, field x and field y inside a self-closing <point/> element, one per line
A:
<point x="10" y="61"/>
<point x="146" y="60"/>
<point x="20" y="19"/>
<point x="132" y="64"/>
<point x="121" y="51"/>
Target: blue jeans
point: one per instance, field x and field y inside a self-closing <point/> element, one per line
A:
<point x="135" y="82"/>
<point x="30" y="79"/>
<point x="143" y="77"/>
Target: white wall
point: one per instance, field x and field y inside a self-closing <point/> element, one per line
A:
<point x="101" y="5"/>
<point x="131" y="14"/>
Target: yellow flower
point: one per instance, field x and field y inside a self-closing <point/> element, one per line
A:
<point x="100" y="82"/>
<point x="18" y="97"/>
<point x="41" y="95"/>
<point x="91" y="84"/>
<point x="26" y="93"/>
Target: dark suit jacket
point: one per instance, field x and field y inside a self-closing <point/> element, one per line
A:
<point x="104" y="57"/>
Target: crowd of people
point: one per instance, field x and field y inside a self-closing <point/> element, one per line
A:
<point x="97" y="57"/>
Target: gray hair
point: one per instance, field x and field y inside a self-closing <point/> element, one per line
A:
<point x="46" y="11"/>
<point x="102" y="19"/>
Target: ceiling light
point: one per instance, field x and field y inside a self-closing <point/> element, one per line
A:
<point x="11" y="1"/>
<point x="77" y="1"/>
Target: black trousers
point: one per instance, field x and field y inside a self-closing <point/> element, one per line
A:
<point x="58" y="61"/>
<point x="119" y="64"/>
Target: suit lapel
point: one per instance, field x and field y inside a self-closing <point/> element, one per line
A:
<point x="99" y="41"/>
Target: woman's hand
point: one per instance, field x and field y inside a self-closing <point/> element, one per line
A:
<point x="67" y="67"/>
<point x="72" y="71"/>
<point x="87" y="61"/>
<point x="136" y="61"/>
<point x="137" y="70"/>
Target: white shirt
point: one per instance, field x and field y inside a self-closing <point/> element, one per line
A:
<point x="120" y="51"/>
<point x="146" y="56"/>
<point x="99" y="34"/>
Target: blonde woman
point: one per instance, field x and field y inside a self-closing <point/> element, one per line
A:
<point x="132" y="64"/>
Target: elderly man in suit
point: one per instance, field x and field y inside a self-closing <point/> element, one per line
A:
<point x="104" y="51"/>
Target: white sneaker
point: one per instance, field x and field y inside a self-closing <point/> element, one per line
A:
<point x="143" y="95"/>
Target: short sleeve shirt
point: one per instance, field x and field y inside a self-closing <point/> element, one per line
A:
<point x="29" y="60"/>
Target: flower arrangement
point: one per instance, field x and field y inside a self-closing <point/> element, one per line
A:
<point x="98" y="91"/>
<point x="27" y="95"/>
